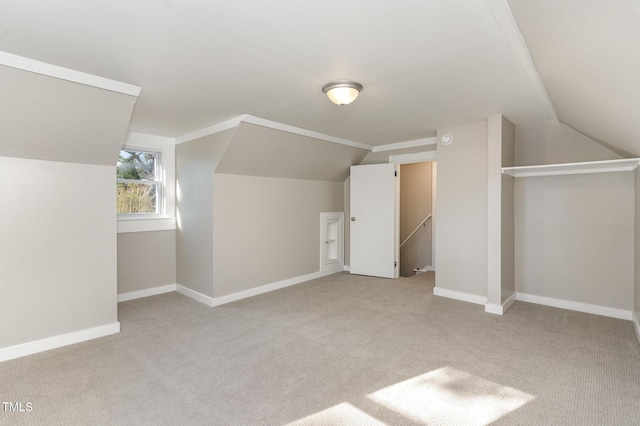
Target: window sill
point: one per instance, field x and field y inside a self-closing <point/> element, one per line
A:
<point x="146" y="224"/>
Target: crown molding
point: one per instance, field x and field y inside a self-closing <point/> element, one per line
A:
<point x="405" y="145"/>
<point x="211" y="130"/>
<point x="250" y="119"/>
<point x="43" y="68"/>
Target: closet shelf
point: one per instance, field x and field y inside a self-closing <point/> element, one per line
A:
<point x="625" y="164"/>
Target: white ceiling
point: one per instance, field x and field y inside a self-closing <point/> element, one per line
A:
<point x="424" y="64"/>
<point x="588" y="55"/>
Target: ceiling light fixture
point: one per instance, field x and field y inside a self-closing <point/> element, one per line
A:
<point x="342" y="92"/>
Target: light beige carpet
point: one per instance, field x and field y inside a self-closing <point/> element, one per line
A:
<point x="340" y="350"/>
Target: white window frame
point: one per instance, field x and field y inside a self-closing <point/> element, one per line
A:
<point x="165" y="219"/>
<point x="158" y="181"/>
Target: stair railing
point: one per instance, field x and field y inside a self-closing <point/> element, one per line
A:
<point x="422" y="223"/>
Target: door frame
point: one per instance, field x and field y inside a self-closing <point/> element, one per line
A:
<point x="417" y="157"/>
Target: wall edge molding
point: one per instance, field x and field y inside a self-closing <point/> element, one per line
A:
<point x="154" y="291"/>
<point x="576" y="306"/>
<point x="61" y="73"/>
<point x="272" y="286"/>
<point x="250" y="119"/>
<point x="48" y="343"/>
<point x="494" y="308"/>
<point x="417" y="157"/>
<point x="407" y="144"/>
<point x="210" y="130"/>
<point x="194" y="295"/>
<point x="222" y="300"/>
<point x="458" y="295"/>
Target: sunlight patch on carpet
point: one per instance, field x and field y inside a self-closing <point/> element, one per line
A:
<point x="340" y="414"/>
<point x="450" y="396"/>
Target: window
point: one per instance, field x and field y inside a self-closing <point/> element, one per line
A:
<point x="139" y="183"/>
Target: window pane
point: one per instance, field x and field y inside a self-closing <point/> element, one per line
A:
<point x="136" y="165"/>
<point x="137" y="198"/>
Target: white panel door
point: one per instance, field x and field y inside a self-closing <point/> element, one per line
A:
<point x="374" y="225"/>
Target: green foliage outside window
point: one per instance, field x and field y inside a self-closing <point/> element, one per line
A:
<point x="137" y="187"/>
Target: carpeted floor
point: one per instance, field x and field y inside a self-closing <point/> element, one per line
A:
<point x="339" y="350"/>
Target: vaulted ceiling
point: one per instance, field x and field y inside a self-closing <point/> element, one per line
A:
<point x="424" y="64"/>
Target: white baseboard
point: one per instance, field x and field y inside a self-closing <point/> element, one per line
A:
<point x="54" y="342"/>
<point x="457" y="295"/>
<point x="333" y="269"/>
<point x="575" y="306"/>
<point x="494" y="308"/>
<point x="217" y="301"/>
<point x="636" y="324"/>
<point x="195" y="295"/>
<point x="123" y="297"/>
<point x="347" y="268"/>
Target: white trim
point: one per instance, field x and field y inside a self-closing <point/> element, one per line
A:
<point x="145" y="225"/>
<point x="621" y="165"/>
<point x="636" y="324"/>
<point x="494" y="308"/>
<point x="222" y="300"/>
<point x="132" y="295"/>
<point x="575" y="306"/>
<point x="405" y="145"/>
<point x="347" y="268"/>
<point x="417" y="157"/>
<point x="234" y="122"/>
<point x="303" y="132"/>
<point x="457" y="295"/>
<point x="507" y="22"/>
<point x="43" y="68"/>
<point x="338" y="263"/>
<point x="166" y="147"/>
<point x="195" y="295"/>
<point x="54" y="342"/>
<point x="211" y="130"/>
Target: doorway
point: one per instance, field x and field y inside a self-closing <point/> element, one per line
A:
<point x="417" y="217"/>
<point x="374" y="193"/>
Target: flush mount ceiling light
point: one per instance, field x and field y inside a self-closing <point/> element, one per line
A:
<point x="342" y="92"/>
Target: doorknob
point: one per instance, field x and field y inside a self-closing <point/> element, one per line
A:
<point x="353" y="219"/>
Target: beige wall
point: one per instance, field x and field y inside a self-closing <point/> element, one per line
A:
<point x="58" y="251"/>
<point x="500" y="227"/>
<point x="574" y="238"/>
<point x="146" y="260"/>
<point x="637" y="252"/>
<point x="548" y="142"/>
<point x="508" y="213"/>
<point x="461" y="211"/>
<point x="415" y="204"/>
<point x="267" y="230"/>
<point x="195" y="164"/>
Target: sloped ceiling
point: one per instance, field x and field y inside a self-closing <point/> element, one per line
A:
<point x="261" y="151"/>
<point x="48" y="118"/>
<point x="425" y="65"/>
<point x="588" y="56"/>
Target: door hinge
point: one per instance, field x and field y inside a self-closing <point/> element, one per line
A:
<point x="395" y="173"/>
<point x="395" y="264"/>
